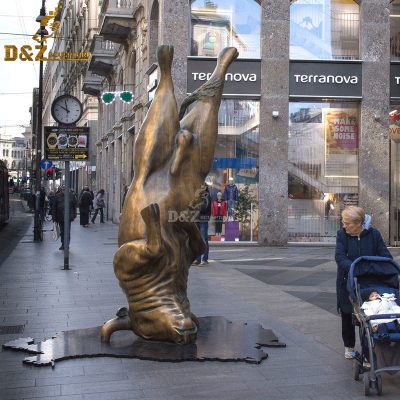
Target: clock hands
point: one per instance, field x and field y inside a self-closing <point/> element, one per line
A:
<point x="66" y="106"/>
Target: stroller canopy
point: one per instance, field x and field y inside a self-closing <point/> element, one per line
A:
<point x="379" y="273"/>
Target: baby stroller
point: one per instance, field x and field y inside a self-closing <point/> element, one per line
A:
<point x="381" y="351"/>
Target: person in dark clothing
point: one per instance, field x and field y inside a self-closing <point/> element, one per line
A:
<point x="58" y="213"/>
<point x="202" y="223"/>
<point x="40" y="203"/>
<point x="357" y="238"/>
<point x="85" y="202"/>
<point x="51" y="197"/>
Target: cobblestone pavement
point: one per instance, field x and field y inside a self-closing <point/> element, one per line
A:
<point x="287" y="289"/>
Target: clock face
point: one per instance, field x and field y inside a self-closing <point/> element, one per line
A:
<point x="66" y="109"/>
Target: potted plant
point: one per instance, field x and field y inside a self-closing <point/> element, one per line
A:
<point x="243" y="209"/>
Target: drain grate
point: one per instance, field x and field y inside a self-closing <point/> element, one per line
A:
<point x="10" y="329"/>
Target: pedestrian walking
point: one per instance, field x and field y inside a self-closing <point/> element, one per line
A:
<point x="58" y="213"/>
<point x="51" y="197"/>
<point x="202" y="223"/>
<point x="357" y="238"/>
<point x="85" y="202"/>
<point x="40" y="203"/>
<point x="99" y="204"/>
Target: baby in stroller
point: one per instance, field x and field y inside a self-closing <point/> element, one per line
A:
<point x="377" y="305"/>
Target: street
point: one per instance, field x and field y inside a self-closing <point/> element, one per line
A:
<point x="290" y="290"/>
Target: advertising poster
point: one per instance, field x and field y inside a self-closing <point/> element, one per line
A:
<point x="67" y="143"/>
<point x="394" y="125"/>
<point x="341" y="142"/>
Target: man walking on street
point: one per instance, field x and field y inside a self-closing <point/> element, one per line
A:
<point x="58" y="213"/>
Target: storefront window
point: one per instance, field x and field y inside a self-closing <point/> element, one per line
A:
<point x="323" y="167"/>
<point x="395" y="30"/>
<point x="221" y="23"/>
<point x="394" y="134"/>
<point x="324" y="30"/>
<point x="235" y="172"/>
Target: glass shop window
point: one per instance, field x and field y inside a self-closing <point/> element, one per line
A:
<point x="395" y="30"/>
<point x="234" y="174"/>
<point x="221" y="23"/>
<point x="323" y="167"/>
<point x="324" y="30"/>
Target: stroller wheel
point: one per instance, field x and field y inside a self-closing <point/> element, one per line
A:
<point x="378" y="385"/>
<point x="366" y="385"/>
<point x="356" y="370"/>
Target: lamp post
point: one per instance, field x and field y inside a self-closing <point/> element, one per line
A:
<point x="37" y="226"/>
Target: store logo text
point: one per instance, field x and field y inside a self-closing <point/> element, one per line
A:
<point x="326" y="79"/>
<point x="202" y="76"/>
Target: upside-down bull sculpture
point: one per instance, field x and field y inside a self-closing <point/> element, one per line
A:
<point x="173" y="155"/>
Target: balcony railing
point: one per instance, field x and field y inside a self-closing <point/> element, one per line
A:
<point x="92" y="84"/>
<point x="103" y="55"/>
<point x="116" y="19"/>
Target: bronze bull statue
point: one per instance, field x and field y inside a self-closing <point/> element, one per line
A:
<point x="173" y="155"/>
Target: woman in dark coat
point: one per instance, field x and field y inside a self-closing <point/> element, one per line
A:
<point x="357" y="238"/>
<point x="85" y="203"/>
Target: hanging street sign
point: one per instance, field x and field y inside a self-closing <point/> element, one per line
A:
<point x="66" y="143"/>
<point x="46" y="164"/>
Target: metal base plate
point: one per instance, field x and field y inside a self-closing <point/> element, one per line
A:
<point x="217" y="340"/>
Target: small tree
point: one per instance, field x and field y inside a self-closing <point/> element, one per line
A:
<point x="243" y="206"/>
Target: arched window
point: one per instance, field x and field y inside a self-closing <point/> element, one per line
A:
<point x="220" y="23"/>
<point x="324" y="30"/>
<point x="395" y="30"/>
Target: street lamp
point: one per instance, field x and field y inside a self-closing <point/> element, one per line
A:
<point x="37" y="235"/>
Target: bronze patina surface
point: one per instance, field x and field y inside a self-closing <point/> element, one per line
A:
<point x="173" y="155"/>
<point x="217" y="340"/>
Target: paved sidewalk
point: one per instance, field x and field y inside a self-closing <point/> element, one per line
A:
<point x="290" y="290"/>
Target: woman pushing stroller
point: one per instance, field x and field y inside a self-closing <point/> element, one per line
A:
<point x="357" y="238"/>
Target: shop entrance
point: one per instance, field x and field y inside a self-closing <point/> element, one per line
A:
<point x="395" y="193"/>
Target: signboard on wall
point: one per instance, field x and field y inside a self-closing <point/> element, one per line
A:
<point x="243" y="77"/>
<point x="66" y="143"/>
<point x="341" y="142"/>
<point x="325" y="79"/>
<point x="395" y="81"/>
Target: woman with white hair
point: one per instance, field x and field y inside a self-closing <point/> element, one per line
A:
<point x="357" y="238"/>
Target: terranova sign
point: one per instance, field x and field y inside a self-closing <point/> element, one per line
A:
<point x="243" y="77"/>
<point x="325" y="79"/>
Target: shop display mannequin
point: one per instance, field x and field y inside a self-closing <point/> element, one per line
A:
<point x="218" y="212"/>
<point x="231" y="195"/>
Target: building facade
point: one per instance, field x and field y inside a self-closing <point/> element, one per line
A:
<point x="14" y="151"/>
<point x="308" y="123"/>
<point x="78" y="25"/>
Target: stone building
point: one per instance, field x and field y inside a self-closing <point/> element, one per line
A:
<point x="304" y="119"/>
<point x="78" y="26"/>
<point x="14" y="151"/>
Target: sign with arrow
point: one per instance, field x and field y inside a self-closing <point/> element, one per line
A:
<point x="46" y="164"/>
<point x="66" y="143"/>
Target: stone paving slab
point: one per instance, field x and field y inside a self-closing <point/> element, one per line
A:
<point x="36" y="292"/>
